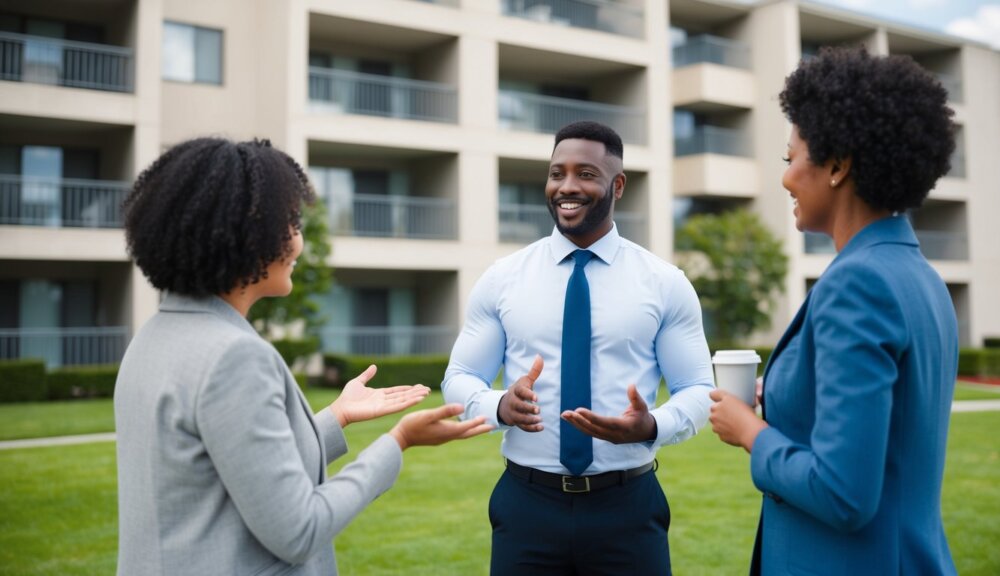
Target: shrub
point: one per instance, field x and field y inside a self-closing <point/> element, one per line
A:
<point x="82" y="382"/>
<point x="392" y="371"/>
<point x="22" y="380"/>
<point x="979" y="362"/>
<point x="991" y="342"/>
<point x="291" y="349"/>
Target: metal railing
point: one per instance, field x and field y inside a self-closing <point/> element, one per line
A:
<point x="943" y="245"/>
<point x="603" y="15"/>
<point x="712" y="49"/>
<point x="817" y="243"/>
<point x="547" y="114"/>
<point x="65" y="346"/>
<point x="43" y="60"/>
<point x="953" y="85"/>
<point x="397" y="217"/>
<point x="524" y="223"/>
<point x="714" y="140"/>
<point x="32" y="201"/>
<point x="388" y="340"/>
<point x="350" y="92"/>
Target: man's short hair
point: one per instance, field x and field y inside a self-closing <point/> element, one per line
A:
<point x="594" y="131"/>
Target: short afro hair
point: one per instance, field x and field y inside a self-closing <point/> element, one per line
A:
<point x="887" y="114"/>
<point x="209" y="215"/>
<point x="594" y="131"/>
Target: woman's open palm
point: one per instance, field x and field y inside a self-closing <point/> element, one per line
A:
<point x="357" y="402"/>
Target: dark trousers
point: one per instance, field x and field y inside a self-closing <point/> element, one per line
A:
<point x="620" y="530"/>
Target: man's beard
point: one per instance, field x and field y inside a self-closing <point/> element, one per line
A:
<point x="596" y="213"/>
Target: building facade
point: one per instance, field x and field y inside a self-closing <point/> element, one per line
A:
<point x="426" y="127"/>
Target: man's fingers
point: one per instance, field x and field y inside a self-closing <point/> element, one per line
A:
<point x="526" y="395"/>
<point x="635" y="398"/>
<point x="535" y="371"/>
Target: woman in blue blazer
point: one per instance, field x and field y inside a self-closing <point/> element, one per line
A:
<point x="221" y="463"/>
<point x="856" y="396"/>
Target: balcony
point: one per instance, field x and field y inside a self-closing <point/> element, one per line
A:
<point x="934" y="244"/>
<point x="706" y="49"/>
<point x="86" y="65"/>
<point x="953" y="85"/>
<point x="31" y="201"/>
<point x="547" y="114"/>
<point x="388" y="340"/>
<point x="383" y="216"/>
<point x="714" y="140"/>
<point x="603" y="15"/>
<point x="65" y="346"/>
<point x="349" y="92"/>
<point x="525" y="223"/>
<point x="816" y="243"/>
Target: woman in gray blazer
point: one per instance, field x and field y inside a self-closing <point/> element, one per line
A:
<point x="221" y="463"/>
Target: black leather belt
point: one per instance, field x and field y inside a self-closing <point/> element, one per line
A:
<point x="578" y="484"/>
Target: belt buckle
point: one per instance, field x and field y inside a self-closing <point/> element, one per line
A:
<point x="569" y="487"/>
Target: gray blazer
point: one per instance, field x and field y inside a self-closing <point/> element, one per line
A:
<point x="221" y="464"/>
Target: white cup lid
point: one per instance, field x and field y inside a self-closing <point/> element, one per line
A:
<point x="736" y="357"/>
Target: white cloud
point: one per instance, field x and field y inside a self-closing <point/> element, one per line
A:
<point x="924" y="4"/>
<point x="983" y="27"/>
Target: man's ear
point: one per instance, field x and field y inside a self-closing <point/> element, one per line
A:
<point x="619" y="183"/>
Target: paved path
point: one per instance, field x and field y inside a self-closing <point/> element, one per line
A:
<point x="960" y="406"/>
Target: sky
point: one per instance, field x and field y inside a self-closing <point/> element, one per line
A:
<point x="974" y="19"/>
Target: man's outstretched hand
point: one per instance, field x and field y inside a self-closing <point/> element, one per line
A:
<point x="635" y="424"/>
<point x="357" y="402"/>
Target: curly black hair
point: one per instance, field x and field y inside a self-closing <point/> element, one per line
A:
<point x="209" y="215"/>
<point x="595" y="131"/>
<point x="887" y="114"/>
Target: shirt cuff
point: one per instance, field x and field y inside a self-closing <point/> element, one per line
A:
<point x="489" y="404"/>
<point x="666" y="427"/>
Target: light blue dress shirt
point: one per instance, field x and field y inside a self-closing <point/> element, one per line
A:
<point x="646" y="323"/>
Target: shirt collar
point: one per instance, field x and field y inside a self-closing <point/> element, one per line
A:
<point x="605" y="248"/>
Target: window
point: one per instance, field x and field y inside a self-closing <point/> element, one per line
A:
<point x="192" y="54"/>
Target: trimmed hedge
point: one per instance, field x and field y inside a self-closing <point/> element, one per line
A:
<point x="291" y="349"/>
<point x="979" y="362"/>
<point x="991" y="342"/>
<point x="22" y="380"/>
<point x="82" y="382"/>
<point x="392" y="371"/>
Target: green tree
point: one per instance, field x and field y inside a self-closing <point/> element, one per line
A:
<point x="737" y="267"/>
<point x="312" y="277"/>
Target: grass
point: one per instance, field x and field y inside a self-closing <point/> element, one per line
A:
<point x="58" y="508"/>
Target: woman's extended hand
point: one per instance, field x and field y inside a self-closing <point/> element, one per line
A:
<point x="435" y="426"/>
<point x="358" y="402"/>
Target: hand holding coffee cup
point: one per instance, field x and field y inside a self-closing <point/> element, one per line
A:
<point x="736" y="373"/>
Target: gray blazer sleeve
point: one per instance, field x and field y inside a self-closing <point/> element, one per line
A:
<point x="331" y="434"/>
<point x="241" y="417"/>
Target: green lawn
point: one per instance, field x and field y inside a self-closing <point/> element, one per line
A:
<point x="58" y="506"/>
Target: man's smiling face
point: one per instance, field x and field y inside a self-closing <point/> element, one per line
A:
<point x="583" y="184"/>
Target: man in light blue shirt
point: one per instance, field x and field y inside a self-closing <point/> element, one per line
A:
<point x="610" y="515"/>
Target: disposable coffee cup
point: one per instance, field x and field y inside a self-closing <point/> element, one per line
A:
<point x="736" y="373"/>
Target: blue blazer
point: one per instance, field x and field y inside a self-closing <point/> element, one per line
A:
<point x="858" y="395"/>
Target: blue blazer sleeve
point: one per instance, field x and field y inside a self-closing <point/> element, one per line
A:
<point x="859" y="332"/>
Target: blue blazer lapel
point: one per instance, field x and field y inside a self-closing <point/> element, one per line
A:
<point x="792" y="329"/>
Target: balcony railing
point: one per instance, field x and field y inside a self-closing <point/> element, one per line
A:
<point x="452" y="3"/>
<point x="397" y="217"/>
<point x="524" y="223"/>
<point x="547" y="114"/>
<point x="65" y="346"/>
<point x="350" y="92"/>
<point x="714" y="140"/>
<point x="712" y="50"/>
<point x="817" y="243"/>
<point x="943" y="245"/>
<point x="604" y="15"/>
<point x="957" y="166"/>
<point x="31" y="201"/>
<point x="65" y="63"/>
<point x="953" y="85"/>
<point x="388" y="340"/>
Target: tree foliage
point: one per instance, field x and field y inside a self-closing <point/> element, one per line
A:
<point x="737" y="267"/>
<point x="312" y="277"/>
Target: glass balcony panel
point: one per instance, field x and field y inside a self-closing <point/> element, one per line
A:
<point x="714" y="140"/>
<point x="953" y="85"/>
<point x="603" y="15"/>
<point x="397" y="217"/>
<point x="943" y="245"/>
<point x="32" y="201"/>
<point x="817" y="243"/>
<point x="957" y="166"/>
<point x="349" y="92"/>
<point x="547" y="114"/>
<point x="388" y="340"/>
<point x="40" y="60"/>
<point x="706" y="49"/>
<point x="65" y="346"/>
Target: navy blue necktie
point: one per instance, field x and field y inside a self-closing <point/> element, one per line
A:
<point x="576" y="449"/>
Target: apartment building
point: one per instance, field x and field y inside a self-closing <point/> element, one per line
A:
<point x="426" y="126"/>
